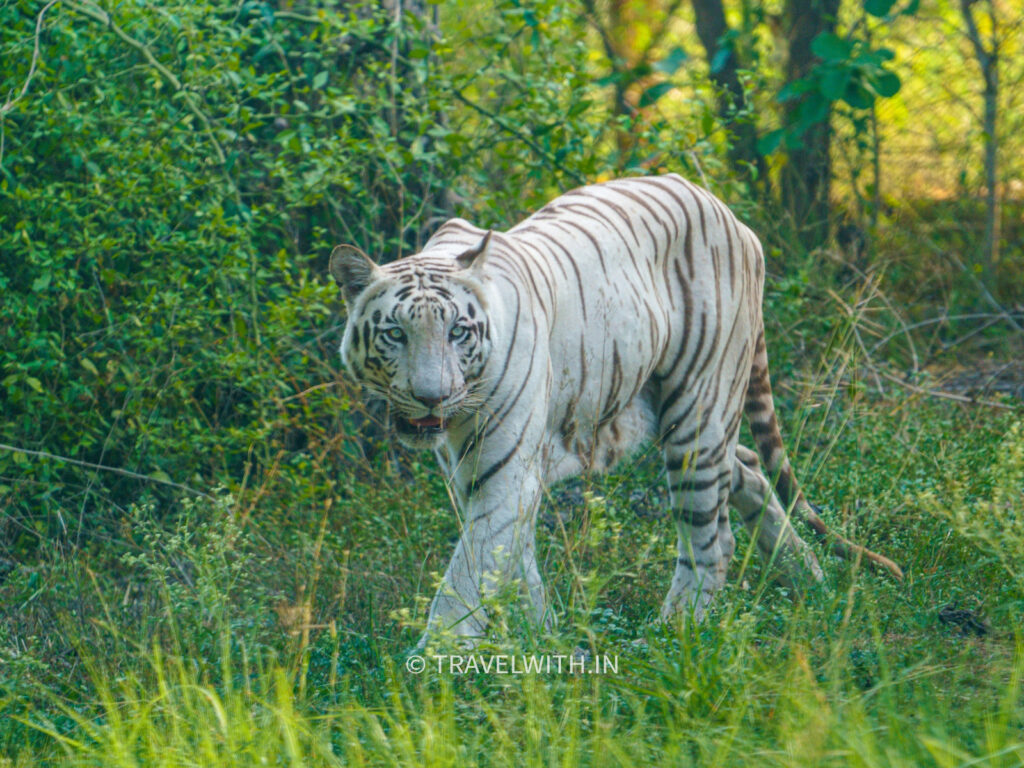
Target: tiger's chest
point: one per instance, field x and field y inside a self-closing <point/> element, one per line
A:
<point x="598" y="349"/>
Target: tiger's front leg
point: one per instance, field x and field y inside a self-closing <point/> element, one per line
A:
<point x="497" y="547"/>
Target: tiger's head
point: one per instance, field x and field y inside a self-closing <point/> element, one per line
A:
<point x="418" y="335"/>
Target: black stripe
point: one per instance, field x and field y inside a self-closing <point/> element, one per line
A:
<point x="480" y="480"/>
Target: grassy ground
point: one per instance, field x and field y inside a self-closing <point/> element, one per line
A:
<point x="271" y="627"/>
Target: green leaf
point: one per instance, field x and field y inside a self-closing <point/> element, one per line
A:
<point x="654" y="93"/>
<point x="885" y="84"/>
<point x="319" y="80"/>
<point x="833" y="81"/>
<point x="707" y="122"/>
<point x="830" y="47"/>
<point x="879" y="8"/>
<point x="812" y="110"/>
<point x="671" y="63"/>
<point x="794" y="90"/>
<point x="89" y="366"/>
<point x="857" y="96"/>
<point x="611" y="78"/>
<point x="34" y="383"/>
<point x="580" y="107"/>
<point x="418" y="51"/>
<point x="770" y="142"/>
<point x="720" y="58"/>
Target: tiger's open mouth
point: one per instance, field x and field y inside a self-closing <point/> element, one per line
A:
<point x="428" y="425"/>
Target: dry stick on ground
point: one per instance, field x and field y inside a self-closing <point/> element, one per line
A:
<point x="878" y="371"/>
<point x="877" y="291"/>
<point x="947" y="395"/>
<point x="105" y="468"/>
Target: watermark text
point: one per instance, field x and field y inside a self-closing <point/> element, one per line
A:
<point x="514" y="664"/>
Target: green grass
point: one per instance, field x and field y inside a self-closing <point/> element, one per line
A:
<point x="271" y="627"/>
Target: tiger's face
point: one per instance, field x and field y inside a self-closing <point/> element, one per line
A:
<point x="417" y="336"/>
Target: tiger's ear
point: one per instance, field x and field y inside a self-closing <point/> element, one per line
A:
<point x="476" y="256"/>
<point x="352" y="270"/>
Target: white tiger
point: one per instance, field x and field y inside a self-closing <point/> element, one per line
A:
<point x="618" y="313"/>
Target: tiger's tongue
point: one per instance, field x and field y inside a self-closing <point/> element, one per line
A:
<point x="429" y="421"/>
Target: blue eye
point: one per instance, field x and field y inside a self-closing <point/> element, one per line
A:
<point x="395" y="334"/>
<point x="458" y="332"/>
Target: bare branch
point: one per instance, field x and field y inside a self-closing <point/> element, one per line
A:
<point x="539" y="150"/>
<point x="974" y="35"/>
<point x="9" y="104"/>
<point x="105" y="468"/>
<point x="606" y="38"/>
<point x="986" y="294"/>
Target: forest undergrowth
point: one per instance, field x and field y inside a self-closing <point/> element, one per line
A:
<point x="272" y="621"/>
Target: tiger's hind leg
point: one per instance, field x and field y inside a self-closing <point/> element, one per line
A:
<point x="700" y="478"/>
<point x="754" y="499"/>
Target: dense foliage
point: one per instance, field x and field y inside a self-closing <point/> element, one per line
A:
<point x="171" y="187"/>
<point x="203" y="525"/>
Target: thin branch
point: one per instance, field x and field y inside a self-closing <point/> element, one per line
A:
<point x="106" y="468"/>
<point x="986" y="294"/>
<point x="659" y="34"/>
<point x="9" y="105"/>
<point x="189" y="97"/>
<point x="606" y="39"/>
<point x="700" y="169"/>
<point x="942" y="319"/>
<point x="578" y="178"/>
<point x="984" y="55"/>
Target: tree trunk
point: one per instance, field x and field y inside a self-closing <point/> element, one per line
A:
<point x="806" y="178"/>
<point x="988" y="60"/>
<point x="711" y="28"/>
<point x="626" y="20"/>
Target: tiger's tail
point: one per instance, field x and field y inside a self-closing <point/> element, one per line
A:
<point x="760" y="411"/>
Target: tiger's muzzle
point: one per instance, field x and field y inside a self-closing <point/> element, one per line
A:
<point x="423" y="431"/>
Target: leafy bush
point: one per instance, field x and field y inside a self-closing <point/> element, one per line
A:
<point x="170" y="187"/>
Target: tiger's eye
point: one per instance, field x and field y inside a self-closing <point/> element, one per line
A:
<point x="395" y="334"/>
<point x="458" y="332"/>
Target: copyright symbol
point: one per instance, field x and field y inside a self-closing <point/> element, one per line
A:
<point x="415" y="664"/>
